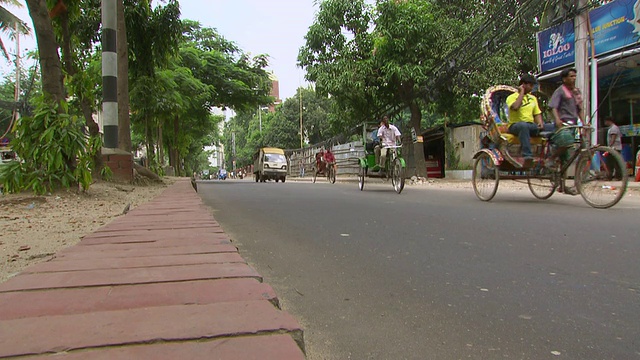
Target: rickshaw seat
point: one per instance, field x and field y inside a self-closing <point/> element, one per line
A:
<point x="514" y="140"/>
<point x="369" y="147"/>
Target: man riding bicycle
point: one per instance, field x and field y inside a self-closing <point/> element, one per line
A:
<point x="388" y="135"/>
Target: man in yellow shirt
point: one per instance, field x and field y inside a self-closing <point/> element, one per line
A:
<point x="525" y="117"/>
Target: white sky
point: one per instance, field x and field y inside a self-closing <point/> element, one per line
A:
<point x="274" y="27"/>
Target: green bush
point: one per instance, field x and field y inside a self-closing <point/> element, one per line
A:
<point x="53" y="149"/>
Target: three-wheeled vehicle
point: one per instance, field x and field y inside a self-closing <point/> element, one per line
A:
<point x="326" y="166"/>
<point x="394" y="165"/>
<point x="600" y="173"/>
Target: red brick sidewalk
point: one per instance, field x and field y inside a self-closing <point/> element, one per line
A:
<point x="162" y="282"/>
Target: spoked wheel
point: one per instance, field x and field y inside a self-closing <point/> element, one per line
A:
<point x="485" y="177"/>
<point x="543" y="185"/>
<point x="397" y="177"/>
<point x="315" y="175"/>
<point x="332" y="175"/>
<point x="361" y="178"/>
<point x="601" y="180"/>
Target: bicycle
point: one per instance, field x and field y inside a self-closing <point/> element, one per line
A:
<point x="593" y="179"/>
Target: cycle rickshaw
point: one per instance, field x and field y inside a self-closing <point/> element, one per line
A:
<point x="601" y="183"/>
<point x="394" y="165"/>
<point x="324" y="167"/>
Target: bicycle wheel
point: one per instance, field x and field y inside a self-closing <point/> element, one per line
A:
<point x="361" y="178"/>
<point x="332" y="175"/>
<point x="397" y="176"/>
<point x="315" y="174"/>
<point x="485" y="177"/>
<point x="543" y="185"/>
<point x="595" y="177"/>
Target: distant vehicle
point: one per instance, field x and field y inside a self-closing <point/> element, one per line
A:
<point x="270" y="164"/>
<point x="7" y="155"/>
<point x="222" y="174"/>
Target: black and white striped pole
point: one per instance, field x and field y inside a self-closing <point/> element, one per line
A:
<point x="109" y="74"/>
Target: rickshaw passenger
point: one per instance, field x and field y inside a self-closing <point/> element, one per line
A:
<point x="320" y="161"/>
<point x="525" y="117"/>
<point x="388" y="135"/>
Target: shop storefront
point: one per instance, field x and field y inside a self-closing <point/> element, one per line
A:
<point x="616" y="35"/>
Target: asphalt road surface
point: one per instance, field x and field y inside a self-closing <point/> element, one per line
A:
<point x="435" y="273"/>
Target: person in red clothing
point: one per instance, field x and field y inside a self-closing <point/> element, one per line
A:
<point x="330" y="160"/>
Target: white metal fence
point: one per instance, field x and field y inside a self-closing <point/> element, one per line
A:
<point x="346" y="158"/>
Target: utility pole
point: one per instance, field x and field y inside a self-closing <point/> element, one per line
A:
<point x="581" y="30"/>
<point x="301" y="132"/>
<point x="109" y="74"/>
<point x="16" y="112"/>
<point x="260" y="116"/>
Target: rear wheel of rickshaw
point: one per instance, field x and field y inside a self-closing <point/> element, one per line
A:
<point x="544" y="186"/>
<point x="601" y="177"/>
<point x="315" y="174"/>
<point x="331" y="174"/>
<point x="361" y="178"/>
<point x="485" y="177"/>
<point x="397" y="177"/>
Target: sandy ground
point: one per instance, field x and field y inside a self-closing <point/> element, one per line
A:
<point x="34" y="228"/>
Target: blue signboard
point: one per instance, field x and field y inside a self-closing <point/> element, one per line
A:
<point x="615" y="25"/>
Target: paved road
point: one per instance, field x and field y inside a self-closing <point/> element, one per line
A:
<point x="437" y="274"/>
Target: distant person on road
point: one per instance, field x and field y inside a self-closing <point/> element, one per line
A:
<point x="389" y="135"/>
<point x="320" y="164"/>
<point x="330" y="160"/>
<point x="525" y="117"/>
<point x="614" y="140"/>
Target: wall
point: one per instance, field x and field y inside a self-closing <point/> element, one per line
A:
<point x="466" y="139"/>
<point x="346" y="158"/>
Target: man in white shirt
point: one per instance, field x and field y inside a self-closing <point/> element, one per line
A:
<point x="614" y="140"/>
<point x="388" y="135"/>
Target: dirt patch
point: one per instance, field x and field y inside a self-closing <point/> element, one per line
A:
<point x="35" y="228"/>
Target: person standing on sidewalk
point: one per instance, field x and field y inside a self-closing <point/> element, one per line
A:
<point x="614" y="140"/>
<point x="525" y="117"/>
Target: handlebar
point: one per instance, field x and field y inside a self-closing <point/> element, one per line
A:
<point x="392" y="147"/>
<point x="569" y="126"/>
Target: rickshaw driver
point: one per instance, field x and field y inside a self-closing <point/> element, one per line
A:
<point x="329" y="159"/>
<point x="388" y="135"/>
<point x="525" y="117"/>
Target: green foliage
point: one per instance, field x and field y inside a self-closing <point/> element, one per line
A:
<point x="438" y="53"/>
<point x="451" y="156"/>
<point x="53" y="150"/>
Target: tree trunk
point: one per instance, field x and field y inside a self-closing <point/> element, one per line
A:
<point x="51" y="68"/>
<point x="124" y="121"/>
<point x="176" y="131"/>
<point x="150" y="144"/>
<point x="85" y="106"/>
<point x="160" y="146"/>
<point x="418" y="147"/>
